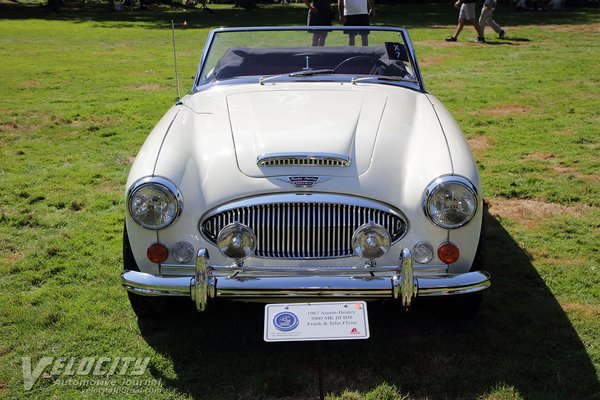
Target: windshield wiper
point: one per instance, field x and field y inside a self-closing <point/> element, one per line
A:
<point x="308" y="72"/>
<point x="383" y="78"/>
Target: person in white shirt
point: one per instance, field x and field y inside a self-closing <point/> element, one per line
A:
<point x="356" y="13"/>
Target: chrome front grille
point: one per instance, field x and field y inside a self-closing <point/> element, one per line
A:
<point x="304" y="230"/>
<point x="306" y="160"/>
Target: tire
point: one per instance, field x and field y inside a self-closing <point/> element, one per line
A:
<point x="144" y="307"/>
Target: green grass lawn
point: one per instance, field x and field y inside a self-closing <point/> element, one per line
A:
<point x="81" y="89"/>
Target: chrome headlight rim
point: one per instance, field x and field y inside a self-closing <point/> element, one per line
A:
<point x="444" y="180"/>
<point x="165" y="185"/>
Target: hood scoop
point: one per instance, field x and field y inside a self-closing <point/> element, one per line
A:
<point x="303" y="160"/>
<point x="281" y="132"/>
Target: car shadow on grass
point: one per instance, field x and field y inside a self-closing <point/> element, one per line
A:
<point x="522" y="341"/>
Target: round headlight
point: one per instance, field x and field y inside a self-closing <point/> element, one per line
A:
<point x="371" y="241"/>
<point x="154" y="204"/>
<point x="451" y="202"/>
<point x="236" y="241"/>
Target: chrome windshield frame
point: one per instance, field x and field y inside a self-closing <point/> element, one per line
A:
<point x="401" y="31"/>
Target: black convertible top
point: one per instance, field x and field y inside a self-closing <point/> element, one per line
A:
<point x="245" y="61"/>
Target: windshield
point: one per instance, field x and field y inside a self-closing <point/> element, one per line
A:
<point x="357" y="54"/>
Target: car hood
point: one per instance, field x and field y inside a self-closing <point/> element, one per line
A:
<point x="304" y="124"/>
<point x="209" y="146"/>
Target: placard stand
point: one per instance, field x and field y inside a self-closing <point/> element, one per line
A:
<point x="299" y="322"/>
<point x="320" y="368"/>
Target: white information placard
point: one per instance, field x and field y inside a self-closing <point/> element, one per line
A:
<point x="316" y="321"/>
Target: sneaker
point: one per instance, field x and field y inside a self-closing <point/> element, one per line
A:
<point x="502" y="34"/>
<point x="480" y="40"/>
<point x="451" y="39"/>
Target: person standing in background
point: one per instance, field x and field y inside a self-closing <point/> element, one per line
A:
<point x="466" y="13"/>
<point x="486" y="18"/>
<point x="356" y="13"/>
<point x="319" y="14"/>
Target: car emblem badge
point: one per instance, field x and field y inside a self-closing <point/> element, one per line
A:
<point x="303" y="181"/>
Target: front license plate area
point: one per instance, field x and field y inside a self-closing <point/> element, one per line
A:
<point x="316" y="321"/>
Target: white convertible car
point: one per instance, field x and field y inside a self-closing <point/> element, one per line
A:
<point x="294" y="172"/>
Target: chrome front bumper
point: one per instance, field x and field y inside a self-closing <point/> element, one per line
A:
<point x="402" y="286"/>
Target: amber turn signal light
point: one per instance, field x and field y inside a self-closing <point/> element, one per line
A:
<point x="448" y="253"/>
<point x="157" y="253"/>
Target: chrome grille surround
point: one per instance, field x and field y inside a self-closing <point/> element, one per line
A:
<point x="303" y="159"/>
<point x="302" y="225"/>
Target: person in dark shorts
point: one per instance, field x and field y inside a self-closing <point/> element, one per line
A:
<point x="319" y="14"/>
<point x="356" y="13"/>
<point x="466" y="13"/>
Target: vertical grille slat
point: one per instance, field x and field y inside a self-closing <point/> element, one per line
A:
<point x="301" y="230"/>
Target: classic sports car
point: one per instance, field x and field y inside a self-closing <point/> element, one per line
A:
<point x="294" y="172"/>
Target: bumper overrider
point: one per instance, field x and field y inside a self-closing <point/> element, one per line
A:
<point x="348" y="283"/>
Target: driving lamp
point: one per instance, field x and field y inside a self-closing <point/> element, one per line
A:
<point x="236" y="241"/>
<point x="371" y="241"/>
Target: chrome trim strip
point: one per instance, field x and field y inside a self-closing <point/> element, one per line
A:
<point x="419" y="270"/>
<point x="177" y="269"/>
<point x="303" y="159"/>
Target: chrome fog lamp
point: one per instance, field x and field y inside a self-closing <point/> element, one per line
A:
<point x="371" y="241"/>
<point x="236" y="241"/>
<point x="422" y="252"/>
<point x="154" y="203"/>
<point x="183" y="252"/>
<point x="450" y="202"/>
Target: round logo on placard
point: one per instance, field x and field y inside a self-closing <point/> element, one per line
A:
<point x="285" y="321"/>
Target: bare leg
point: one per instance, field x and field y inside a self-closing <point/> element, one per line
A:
<point x="459" y="28"/>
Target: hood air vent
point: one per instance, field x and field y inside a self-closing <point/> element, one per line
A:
<point x="303" y="159"/>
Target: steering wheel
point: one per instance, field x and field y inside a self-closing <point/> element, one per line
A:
<point x="377" y="63"/>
